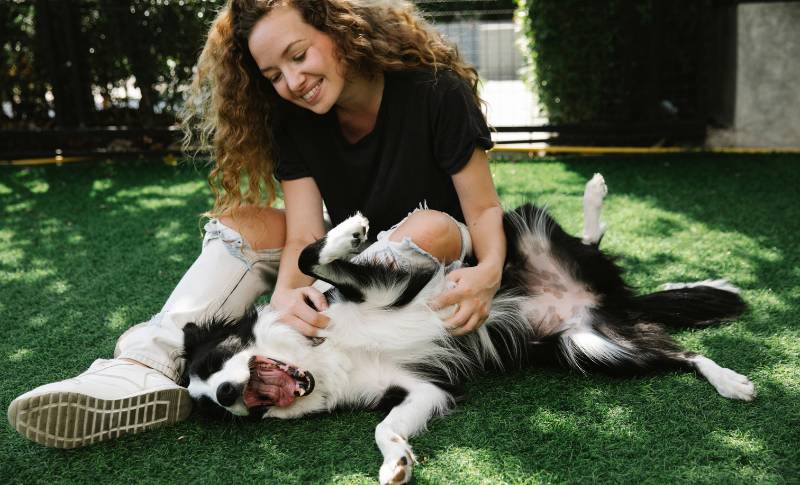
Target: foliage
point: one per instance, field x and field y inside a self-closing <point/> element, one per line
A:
<point x="614" y="60"/>
<point x="112" y="41"/>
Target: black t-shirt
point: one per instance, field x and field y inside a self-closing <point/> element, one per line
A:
<point x="427" y="129"/>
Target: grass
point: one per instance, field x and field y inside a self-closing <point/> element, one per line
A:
<point x="87" y="250"/>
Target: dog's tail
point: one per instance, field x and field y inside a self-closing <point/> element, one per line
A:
<point x="692" y="306"/>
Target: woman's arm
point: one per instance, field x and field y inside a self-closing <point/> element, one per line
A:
<point x="483" y="213"/>
<point x="304" y="225"/>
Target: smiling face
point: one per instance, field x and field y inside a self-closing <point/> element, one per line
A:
<point x="298" y="59"/>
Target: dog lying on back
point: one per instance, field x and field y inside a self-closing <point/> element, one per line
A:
<point x="562" y="301"/>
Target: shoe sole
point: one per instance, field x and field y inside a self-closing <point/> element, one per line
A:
<point x="70" y="420"/>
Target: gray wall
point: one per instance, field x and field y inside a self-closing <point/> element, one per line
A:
<point x="767" y="99"/>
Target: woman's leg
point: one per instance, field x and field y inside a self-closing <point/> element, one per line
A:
<point x="116" y="396"/>
<point x="424" y="239"/>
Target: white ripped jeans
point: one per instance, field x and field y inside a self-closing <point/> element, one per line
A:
<point x="225" y="281"/>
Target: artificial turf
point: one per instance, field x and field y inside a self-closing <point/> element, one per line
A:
<point x="87" y="250"/>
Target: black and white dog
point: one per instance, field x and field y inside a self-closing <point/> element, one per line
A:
<point x="561" y="301"/>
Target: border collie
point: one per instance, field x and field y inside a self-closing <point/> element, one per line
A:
<point x="562" y="301"/>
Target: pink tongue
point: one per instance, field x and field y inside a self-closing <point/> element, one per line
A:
<point x="270" y="386"/>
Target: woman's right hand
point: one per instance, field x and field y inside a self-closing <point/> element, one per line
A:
<point x="293" y="303"/>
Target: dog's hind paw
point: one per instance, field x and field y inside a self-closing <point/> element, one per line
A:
<point x="596" y="190"/>
<point x="344" y="238"/>
<point x="727" y="382"/>
<point x="397" y="471"/>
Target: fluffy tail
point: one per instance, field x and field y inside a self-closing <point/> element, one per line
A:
<point x="698" y="307"/>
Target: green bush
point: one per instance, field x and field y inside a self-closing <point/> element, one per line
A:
<point x="155" y="41"/>
<point x="614" y="60"/>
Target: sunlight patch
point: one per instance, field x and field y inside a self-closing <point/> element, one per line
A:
<point x="4" y="189"/>
<point x="100" y="186"/>
<point x="173" y="233"/>
<point x="20" y="355"/>
<point x="737" y="440"/>
<point x="37" y="187"/>
<point x="480" y="466"/>
<point x="58" y="287"/>
<point x="11" y="257"/>
<point x="118" y="320"/>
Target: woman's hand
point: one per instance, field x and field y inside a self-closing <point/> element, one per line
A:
<point x="294" y="305"/>
<point x="475" y="288"/>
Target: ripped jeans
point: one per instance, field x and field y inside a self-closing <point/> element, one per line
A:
<point x="225" y="281"/>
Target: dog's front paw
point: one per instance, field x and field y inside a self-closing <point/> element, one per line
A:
<point x="344" y="238"/>
<point x="398" y="464"/>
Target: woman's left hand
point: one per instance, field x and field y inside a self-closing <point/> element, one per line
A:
<point x="475" y="288"/>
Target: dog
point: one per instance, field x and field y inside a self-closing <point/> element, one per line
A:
<point x="562" y="301"/>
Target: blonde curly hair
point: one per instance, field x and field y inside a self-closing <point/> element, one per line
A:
<point x="230" y="106"/>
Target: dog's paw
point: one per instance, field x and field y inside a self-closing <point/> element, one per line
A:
<point x="596" y="190"/>
<point x="398" y="465"/>
<point x="593" y="229"/>
<point x="734" y="386"/>
<point x="728" y="383"/>
<point x="344" y="238"/>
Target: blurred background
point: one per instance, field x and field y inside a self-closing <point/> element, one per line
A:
<point x="107" y="77"/>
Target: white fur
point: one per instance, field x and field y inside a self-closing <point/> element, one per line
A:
<point x="339" y="240"/>
<point x="593" y="196"/>
<point x="721" y="284"/>
<point x="727" y="382"/>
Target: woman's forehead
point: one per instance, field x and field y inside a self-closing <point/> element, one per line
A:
<point x="275" y="34"/>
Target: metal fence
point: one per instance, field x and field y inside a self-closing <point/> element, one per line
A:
<point x="88" y="77"/>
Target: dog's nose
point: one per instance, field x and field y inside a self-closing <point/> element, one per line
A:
<point x="227" y="394"/>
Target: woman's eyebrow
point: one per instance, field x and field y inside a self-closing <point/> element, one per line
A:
<point x="285" y="51"/>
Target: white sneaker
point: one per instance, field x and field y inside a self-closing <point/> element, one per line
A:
<point x="112" y="398"/>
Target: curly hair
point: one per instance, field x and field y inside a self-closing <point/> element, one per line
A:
<point x="231" y="105"/>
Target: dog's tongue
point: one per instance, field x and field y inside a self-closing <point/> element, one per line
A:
<point x="273" y="383"/>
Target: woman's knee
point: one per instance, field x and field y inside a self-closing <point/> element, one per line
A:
<point x="434" y="232"/>
<point x="262" y="227"/>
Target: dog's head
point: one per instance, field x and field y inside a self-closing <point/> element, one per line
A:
<point x="227" y="374"/>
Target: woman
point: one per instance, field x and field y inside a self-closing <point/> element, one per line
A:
<point x="356" y="103"/>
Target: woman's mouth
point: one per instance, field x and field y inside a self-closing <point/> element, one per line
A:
<point x="309" y="95"/>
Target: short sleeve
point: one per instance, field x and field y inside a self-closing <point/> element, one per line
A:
<point x="459" y="123"/>
<point x="287" y="159"/>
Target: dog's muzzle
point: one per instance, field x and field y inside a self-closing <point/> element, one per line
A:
<point x="273" y="383"/>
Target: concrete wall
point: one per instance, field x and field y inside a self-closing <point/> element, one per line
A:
<point x="767" y="100"/>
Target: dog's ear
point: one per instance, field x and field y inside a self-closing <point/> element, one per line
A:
<point x="192" y="339"/>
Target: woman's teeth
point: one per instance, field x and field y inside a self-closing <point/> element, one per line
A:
<point x="308" y="95"/>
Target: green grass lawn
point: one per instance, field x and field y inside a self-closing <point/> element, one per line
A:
<point x="87" y="250"/>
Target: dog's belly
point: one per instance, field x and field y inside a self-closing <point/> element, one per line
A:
<point x="558" y="302"/>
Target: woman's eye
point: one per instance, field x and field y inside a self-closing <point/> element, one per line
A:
<point x="275" y="78"/>
<point x="300" y="58"/>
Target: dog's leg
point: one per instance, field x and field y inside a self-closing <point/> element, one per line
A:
<point x="646" y="348"/>
<point x="342" y="239"/>
<point x="727" y="382"/>
<point x="321" y="258"/>
<point x="593" y="229"/>
<point x="424" y="401"/>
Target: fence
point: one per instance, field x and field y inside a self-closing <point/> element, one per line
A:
<point x="88" y="77"/>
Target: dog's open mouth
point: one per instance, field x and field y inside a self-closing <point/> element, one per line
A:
<point x="273" y="383"/>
